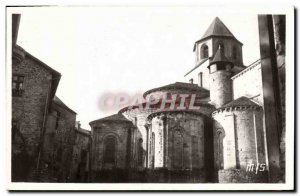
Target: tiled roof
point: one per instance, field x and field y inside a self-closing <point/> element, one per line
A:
<point x="62" y="104"/>
<point x="217" y="29"/>
<point x="115" y="117"/>
<point x="242" y="101"/>
<point x="179" y="86"/>
<point x="84" y="131"/>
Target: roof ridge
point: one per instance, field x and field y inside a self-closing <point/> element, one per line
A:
<point x="240" y="101"/>
<point x="217" y="27"/>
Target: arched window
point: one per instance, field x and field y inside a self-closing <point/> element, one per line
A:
<point x="204" y="51"/>
<point x="153" y="149"/>
<point x="221" y="46"/>
<point x="178" y="150"/>
<point x="234" y="52"/>
<point x="110" y="145"/>
<point x="195" y="152"/>
<point x="140" y="152"/>
<point x="220" y="137"/>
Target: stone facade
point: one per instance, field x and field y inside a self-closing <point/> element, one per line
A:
<point x="59" y="140"/>
<point x="254" y="88"/>
<point x="238" y="134"/>
<point x="222" y="141"/>
<point x="42" y="125"/>
<point x="32" y="91"/>
<point x="113" y="149"/>
<point x="81" y="155"/>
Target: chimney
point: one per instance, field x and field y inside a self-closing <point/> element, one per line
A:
<point x="15" y="27"/>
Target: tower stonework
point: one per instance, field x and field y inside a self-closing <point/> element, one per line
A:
<point x="220" y="69"/>
<point x="238" y="133"/>
<point x="217" y="35"/>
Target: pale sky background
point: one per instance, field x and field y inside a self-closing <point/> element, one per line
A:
<point x="123" y="49"/>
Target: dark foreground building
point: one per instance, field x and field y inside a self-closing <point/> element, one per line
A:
<point x="43" y="127"/>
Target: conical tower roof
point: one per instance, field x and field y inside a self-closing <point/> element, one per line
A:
<point x="217" y="29"/>
<point x="220" y="57"/>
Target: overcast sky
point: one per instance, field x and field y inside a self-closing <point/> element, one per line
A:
<point x="123" y="49"/>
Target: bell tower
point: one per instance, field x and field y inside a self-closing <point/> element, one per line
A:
<point x="217" y="35"/>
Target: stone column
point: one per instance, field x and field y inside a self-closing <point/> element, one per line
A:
<point x="230" y="148"/>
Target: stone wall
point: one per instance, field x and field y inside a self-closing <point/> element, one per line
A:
<point x="139" y="119"/>
<point x="28" y="112"/>
<point x="242" y="176"/>
<point x="179" y="141"/>
<point x="81" y="157"/>
<point x="248" y="83"/>
<point x="59" y="141"/>
<point x="195" y="75"/>
<point x="220" y="87"/>
<point x="119" y="131"/>
<point x="241" y="138"/>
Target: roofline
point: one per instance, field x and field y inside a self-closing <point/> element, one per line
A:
<point x="152" y="115"/>
<point x="235" y="106"/>
<point x="167" y="88"/>
<point x="108" y="120"/>
<point x="246" y="68"/>
<point x="42" y="63"/>
<point x="64" y="106"/>
<point x="56" y="76"/>
<point x="241" y="105"/>
<point x="204" y="60"/>
<point x="226" y="61"/>
<point x="212" y="36"/>
<point x="83" y="132"/>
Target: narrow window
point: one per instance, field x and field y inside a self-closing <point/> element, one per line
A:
<point x="191" y="81"/>
<point x="140" y="152"/>
<point x="17" y="85"/>
<point x="204" y="51"/>
<point x="110" y="150"/>
<point x="177" y="150"/>
<point x="234" y="52"/>
<point x="221" y="46"/>
<point x="57" y="120"/>
<point x="195" y="152"/>
<point x="220" y="137"/>
<point x="153" y="149"/>
<point x="200" y="79"/>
